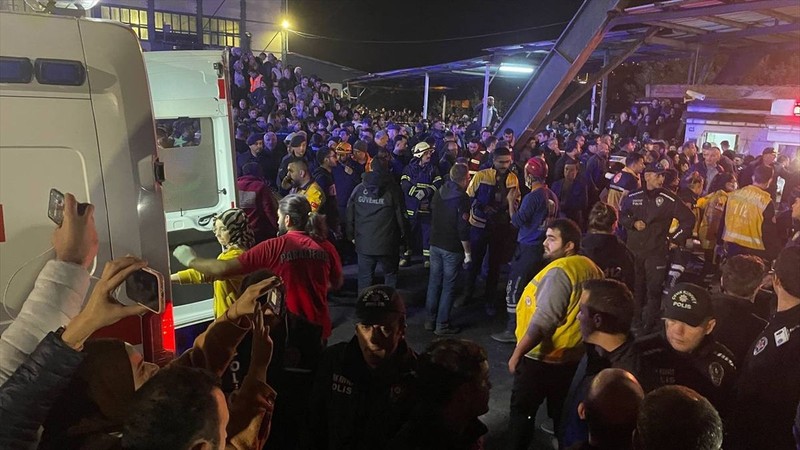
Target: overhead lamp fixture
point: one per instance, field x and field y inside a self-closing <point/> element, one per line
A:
<point x="513" y="68"/>
<point x="285" y="24"/>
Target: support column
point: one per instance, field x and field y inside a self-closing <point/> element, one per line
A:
<point x="425" y="96"/>
<point x="284" y="33"/>
<point x="151" y="23"/>
<point x="200" y="23"/>
<point x="594" y="102"/>
<point x="444" y="106"/>
<point x="243" y="19"/>
<point x="604" y="94"/>
<point x="485" y="111"/>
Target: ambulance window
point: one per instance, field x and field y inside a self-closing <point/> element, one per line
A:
<point x="60" y="72"/>
<point x="190" y="164"/>
<point x="15" y="70"/>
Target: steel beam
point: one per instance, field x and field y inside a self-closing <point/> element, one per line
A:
<point x="687" y="13"/>
<point x="678" y="27"/>
<point x="726" y="22"/>
<point x="573" y="48"/>
<point x="672" y="43"/>
<point x="779" y="15"/>
<point x="749" y="32"/>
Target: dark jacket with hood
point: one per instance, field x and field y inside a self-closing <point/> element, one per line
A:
<point x="259" y="203"/>
<point x="377" y="206"/>
<point x="611" y="255"/>
<point x="450" y="211"/>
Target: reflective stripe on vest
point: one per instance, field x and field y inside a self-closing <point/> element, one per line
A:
<point x="745" y="216"/>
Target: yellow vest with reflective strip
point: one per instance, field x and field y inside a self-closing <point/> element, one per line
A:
<point x="745" y="215"/>
<point x="565" y="345"/>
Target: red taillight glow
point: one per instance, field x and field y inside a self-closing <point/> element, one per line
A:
<point x="221" y="88"/>
<point x="796" y="110"/>
<point x="168" y="328"/>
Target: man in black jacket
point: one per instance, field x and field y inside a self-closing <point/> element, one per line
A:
<point x="377" y="206"/>
<point x="449" y="212"/>
<point x="647" y="215"/>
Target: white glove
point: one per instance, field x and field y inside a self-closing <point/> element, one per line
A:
<point x="467" y="258"/>
<point x="184" y="254"/>
<point x="420" y="195"/>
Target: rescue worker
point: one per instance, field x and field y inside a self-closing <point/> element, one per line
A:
<point x="750" y="218"/>
<point x="297" y="151"/>
<point x="298" y="180"/>
<point x="475" y="157"/>
<point x="647" y="215"/>
<point x="493" y="193"/>
<point x="323" y="177"/>
<point x="626" y="181"/>
<point x="419" y="182"/>
<point x="712" y="212"/>
<point x="549" y="343"/>
<point x="686" y="353"/>
<point x="539" y="207"/>
<point x="363" y="392"/>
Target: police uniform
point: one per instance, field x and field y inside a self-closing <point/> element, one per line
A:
<point x="656" y="208"/>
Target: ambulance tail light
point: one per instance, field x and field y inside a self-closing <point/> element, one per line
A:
<point x="221" y="88"/>
<point x="796" y="110"/>
<point x="168" y="328"/>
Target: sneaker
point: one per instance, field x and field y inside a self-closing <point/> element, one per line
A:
<point x="404" y="262"/>
<point x="446" y="330"/>
<point x="506" y="337"/>
<point x="430" y="325"/>
<point x="426" y="264"/>
<point x="491" y="311"/>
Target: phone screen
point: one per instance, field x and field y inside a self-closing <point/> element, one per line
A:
<point x="273" y="300"/>
<point x="145" y="288"/>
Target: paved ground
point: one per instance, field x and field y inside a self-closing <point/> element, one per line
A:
<point x="476" y="325"/>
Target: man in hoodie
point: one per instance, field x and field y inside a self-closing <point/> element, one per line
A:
<point x="323" y="175"/>
<point x="258" y="202"/>
<point x="419" y="182"/>
<point x="449" y="212"/>
<point x="605" y="249"/>
<point x="377" y="206"/>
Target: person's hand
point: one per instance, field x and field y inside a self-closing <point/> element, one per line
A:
<point x="639" y="225"/>
<point x="467" y="258"/>
<point x="245" y="304"/>
<point x="513" y="362"/>
<point x="102" y="309"/>
<point x="513" y="196"/>
<point x="673" y="246"/>
<point x="76" y="240"/>
<point x="261" y="352"/>
<point x="184" y="254"/>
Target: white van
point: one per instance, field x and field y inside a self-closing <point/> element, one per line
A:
<point x="191" y="107"/>
<point x="75" y="114"/>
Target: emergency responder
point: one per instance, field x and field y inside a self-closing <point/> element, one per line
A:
<point x="363" y="392"/>
<point x="647" y="215"/>
<point x="419" y="182"/>
<point x="626" y="181"/>
<point x="538" y="208"/>
<point x="475" y="156"/>
<point x="750" y="218"/>
<point x="686" y="353"/>
<point x="549" y="343"/>
<point x="493" y="193"/>
<point x="298" y="179"/>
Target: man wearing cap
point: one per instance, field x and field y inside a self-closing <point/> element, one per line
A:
<point x="297" y="151"/>
<point x="538" y="208"/>
<point x="647" y="215"/>
<point x="420" y="180"/>
<point x="256" y="148"/>
<point x="361" y="156"/>
<point x="346" y="175"/>
<point x="769" y="384"/>
<point x="686" y="352"/>
<point x="363" y="392"/>
<point x="767" y="159"/>
<point x="749" y="223"/>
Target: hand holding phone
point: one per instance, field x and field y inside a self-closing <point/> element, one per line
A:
<point x="75" y="240"/>
<point x="146" y="287"/>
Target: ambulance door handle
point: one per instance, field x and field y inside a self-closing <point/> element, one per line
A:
<point x="223" y="191"/>
<point x="158" y="171"/>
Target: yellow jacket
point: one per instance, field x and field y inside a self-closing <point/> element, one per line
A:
<point x="744" y="217"/>
<point x="313" y="193"/>
<point x="565" y="344"/>
<point x="225" y="291"/>
<point x="712" y="213"/>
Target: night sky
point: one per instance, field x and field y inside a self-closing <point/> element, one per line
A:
<point x="413" y="20"/>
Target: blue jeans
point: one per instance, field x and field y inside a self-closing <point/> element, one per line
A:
<point x="442" y="281"/>
<point x="366" y="269"/>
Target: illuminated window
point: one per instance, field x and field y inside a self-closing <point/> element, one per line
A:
<point x="135" y="17"/>
<point x="221" y="32"/>
<point x="180" y="23"/>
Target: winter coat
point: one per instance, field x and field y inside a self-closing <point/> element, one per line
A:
<point x="376" y="205"/>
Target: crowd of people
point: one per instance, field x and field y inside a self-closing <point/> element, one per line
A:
<point x="652" y="293"/>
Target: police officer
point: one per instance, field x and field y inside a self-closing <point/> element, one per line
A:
<point x="538" y="208"/>
<point x="686" y="353"/>
<point x="419" y="182"/>
<point x="647" y="215"/>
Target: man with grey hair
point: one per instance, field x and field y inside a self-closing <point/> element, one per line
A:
<point x="378" y="143"/>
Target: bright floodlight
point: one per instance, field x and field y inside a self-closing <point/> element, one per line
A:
<point x="509" y="68"/>
<point x="285" y="24"/>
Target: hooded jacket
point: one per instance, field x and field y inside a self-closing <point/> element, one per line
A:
<point x="260" y="205"/>
<point x="377" y="206"/>
<point x="611" y="255"/>
<point x="450" y="211"/>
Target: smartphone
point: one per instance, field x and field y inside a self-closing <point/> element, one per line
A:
<point x="146" y="287"/>
<point x="55" y="207"/>
<point x="274" y="300"/>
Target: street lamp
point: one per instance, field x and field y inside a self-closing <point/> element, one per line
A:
<point x="285" y="24"/>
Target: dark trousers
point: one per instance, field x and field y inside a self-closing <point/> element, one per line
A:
<point x="366" y="269"/>
<point x="535" y="381"/>
<point x="421" y="232"/>
<point x="493" y="242"/>
<point x="527" y="261"/>
<point x="651" y="271"/>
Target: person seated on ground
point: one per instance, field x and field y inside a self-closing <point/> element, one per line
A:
<point x="674" y="417"/>
<point x="363" y="392"/>
<point x="94" y="404"/>
<point x="59" y="290"/>
<point x="235" y="236"/>
<point x="610" y="410"/>
<point x="453" y="382"/>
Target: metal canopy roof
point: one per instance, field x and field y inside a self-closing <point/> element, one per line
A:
<point x="683" y="27"/>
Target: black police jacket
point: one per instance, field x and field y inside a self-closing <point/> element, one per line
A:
<point x="656" y="208"/>
<point x="376" y="216"/>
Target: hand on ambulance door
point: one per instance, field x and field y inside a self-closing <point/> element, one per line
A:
<point x="102" y="309"/>
<point x="76" y="239"/>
